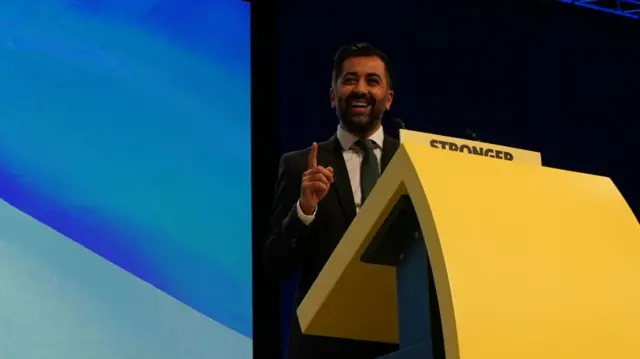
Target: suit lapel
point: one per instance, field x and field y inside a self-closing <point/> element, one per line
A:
<point x="330" y="154"/>
<point x="389" y="148"/>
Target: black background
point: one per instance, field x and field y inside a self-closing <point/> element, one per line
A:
<point x="538" y="75"/>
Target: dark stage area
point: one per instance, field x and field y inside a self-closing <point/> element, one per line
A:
<point x="547" y="76"/>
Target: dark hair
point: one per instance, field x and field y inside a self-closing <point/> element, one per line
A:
<point x="358" y="50"/>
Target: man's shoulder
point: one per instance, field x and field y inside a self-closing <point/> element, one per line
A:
<point x="302" y="155"/>
<point x="297" y="154"/>
<point x="295" y="160"/>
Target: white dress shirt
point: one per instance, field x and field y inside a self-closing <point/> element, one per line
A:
<point x="353" y="159"/>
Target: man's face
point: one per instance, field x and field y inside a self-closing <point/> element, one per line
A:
<point x="361" y="94"/>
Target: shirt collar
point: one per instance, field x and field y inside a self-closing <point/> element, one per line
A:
<point x="347" y="139"/>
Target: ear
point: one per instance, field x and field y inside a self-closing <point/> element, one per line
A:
<point x="389" y="100"/>
<point x="332" y="96"/>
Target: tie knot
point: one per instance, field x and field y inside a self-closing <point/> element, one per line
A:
<point x="365" y="144"/>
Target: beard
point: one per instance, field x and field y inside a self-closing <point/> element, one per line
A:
<point x="360" y="124"/>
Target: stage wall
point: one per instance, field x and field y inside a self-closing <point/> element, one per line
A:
<point x="125" y="214"/>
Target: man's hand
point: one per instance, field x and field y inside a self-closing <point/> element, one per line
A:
<point x="315" y="183"/>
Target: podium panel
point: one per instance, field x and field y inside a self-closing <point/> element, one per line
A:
<point x="474" y="148"/>
<point x="528" y="261"/>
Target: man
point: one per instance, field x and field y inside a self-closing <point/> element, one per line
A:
<point x="320" y="189"/>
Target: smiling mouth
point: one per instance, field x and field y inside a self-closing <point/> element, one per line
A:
<point x="359" y="106"/>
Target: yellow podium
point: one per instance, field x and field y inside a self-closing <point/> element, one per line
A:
<point x="526" y="262"/>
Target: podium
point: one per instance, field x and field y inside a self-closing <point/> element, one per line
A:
<point x="465" y="250"/>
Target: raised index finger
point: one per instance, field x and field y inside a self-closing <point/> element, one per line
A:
<point x="313" y="162"/>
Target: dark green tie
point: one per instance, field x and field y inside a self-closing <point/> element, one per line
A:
<point x="369" y="171"/>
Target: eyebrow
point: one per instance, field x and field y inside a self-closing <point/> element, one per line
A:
<point x="369" y="75"/>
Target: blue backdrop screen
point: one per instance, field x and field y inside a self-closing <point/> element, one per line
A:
<point x="125" y="209"/>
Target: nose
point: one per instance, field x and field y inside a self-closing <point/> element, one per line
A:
<point x="361" y="87"/>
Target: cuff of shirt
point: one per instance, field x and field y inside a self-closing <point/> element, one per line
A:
<point x="303" y="217"/>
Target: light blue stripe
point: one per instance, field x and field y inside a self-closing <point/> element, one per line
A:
<point x="60" y="301"/>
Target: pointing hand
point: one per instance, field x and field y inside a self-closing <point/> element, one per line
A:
<point x="315" y="183"/>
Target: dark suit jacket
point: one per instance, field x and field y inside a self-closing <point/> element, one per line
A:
<point x="292" y="247"/>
